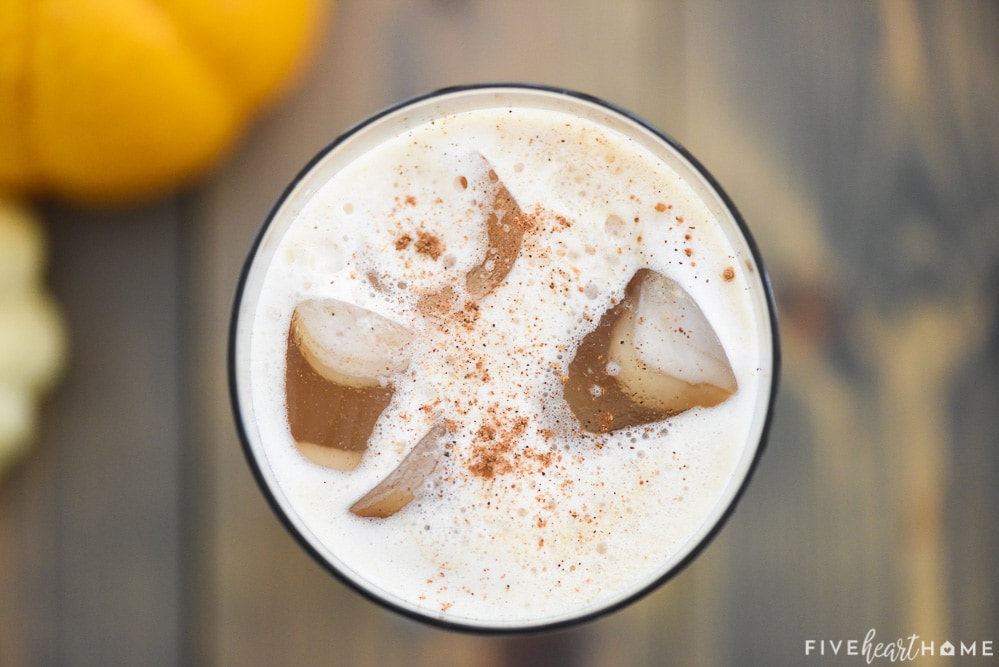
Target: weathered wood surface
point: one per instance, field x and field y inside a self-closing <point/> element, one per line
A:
<point x="860" y="140"/>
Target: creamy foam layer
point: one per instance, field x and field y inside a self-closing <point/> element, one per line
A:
<point x="529" y="519"/>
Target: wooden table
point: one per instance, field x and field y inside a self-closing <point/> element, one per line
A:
<point x="860" y="140"/>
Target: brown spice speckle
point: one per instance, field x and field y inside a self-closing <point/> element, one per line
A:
<point x="429" y="245"/>
<point x="497" y="449"/>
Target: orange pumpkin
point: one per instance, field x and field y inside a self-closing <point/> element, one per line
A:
<point x="107" y="101"/>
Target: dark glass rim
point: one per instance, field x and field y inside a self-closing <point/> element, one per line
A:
<point x="561" y="623"/>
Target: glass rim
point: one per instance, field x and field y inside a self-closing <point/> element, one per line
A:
<point x="731" y="500"/>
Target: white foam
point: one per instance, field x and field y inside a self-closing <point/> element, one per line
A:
<point x="607" y="514"/>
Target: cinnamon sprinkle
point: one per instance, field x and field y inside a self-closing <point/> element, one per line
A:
<point x="429" y="245"/>
<point x="498" y="450"/>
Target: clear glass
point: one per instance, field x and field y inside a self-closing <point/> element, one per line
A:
<point x="260" y="445"/>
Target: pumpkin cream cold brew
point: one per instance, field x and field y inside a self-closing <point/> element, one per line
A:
<point x="505" y="367"/>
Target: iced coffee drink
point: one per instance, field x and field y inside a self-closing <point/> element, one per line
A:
<point x="503" y="358"/>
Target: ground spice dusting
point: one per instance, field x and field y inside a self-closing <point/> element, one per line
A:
<point x="469" y="315"/>
<point x="429" y="245"/>
<point x="489" y="461"/>
<point x="497" y="449"/>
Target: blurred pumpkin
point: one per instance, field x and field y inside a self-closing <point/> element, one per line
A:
<point x="107" y="101"/>
<point x="32" y="332"/>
